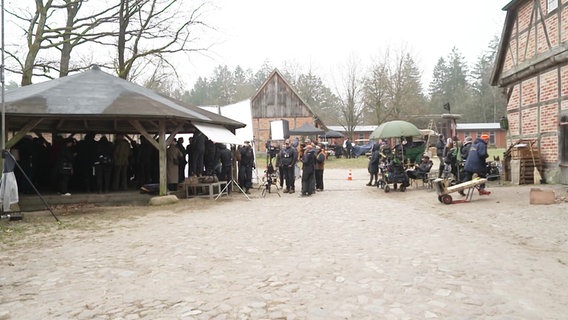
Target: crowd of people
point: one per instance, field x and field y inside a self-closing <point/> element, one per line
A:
<point x="311" y="155"/>
<point x="459" y="162"/>
<point x="90" y="165"/>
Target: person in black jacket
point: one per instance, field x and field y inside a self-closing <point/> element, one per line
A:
<point x="440" y="153"/>
<point x="103" y="164"/>
<point x="308" y="171"/>
<point x="198" y="154"/>
<point x="182" y="162"/>
<point x="287" y="158"/>
<point x="246" y="164"/>
<point x="226" y="159"/>
<point x="373" y="167"/>
<point x="65" y="166"/>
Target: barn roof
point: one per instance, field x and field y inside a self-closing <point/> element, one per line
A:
<point x="277" y="73"/>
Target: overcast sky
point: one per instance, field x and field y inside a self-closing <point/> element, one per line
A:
<point x="324" y="34"/>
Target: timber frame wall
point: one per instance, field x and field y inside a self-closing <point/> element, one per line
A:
<point x="277" y="100"/>
<point x="532" y="66"/>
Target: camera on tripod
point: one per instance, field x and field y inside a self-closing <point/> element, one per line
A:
<point x="271" y="151"/>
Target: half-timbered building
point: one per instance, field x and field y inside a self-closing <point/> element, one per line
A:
<point x="532" y="68"/>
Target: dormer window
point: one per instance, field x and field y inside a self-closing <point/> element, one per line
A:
<point x="552" y="5"/>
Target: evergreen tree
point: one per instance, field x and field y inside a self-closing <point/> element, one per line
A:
<point x="200" y="94"/>
<point x="318" y="97"/>
<point x="490" y="104"/>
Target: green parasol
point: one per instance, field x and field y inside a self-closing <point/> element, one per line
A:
<point x="395" y="129"/>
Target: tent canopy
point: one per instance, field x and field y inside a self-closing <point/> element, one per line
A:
<point x="306" y="130"/>
<point x="240" y="112"/>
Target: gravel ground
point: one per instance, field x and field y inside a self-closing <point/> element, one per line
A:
<point x="350" y="252"/>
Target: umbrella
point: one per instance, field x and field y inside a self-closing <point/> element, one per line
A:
<point x="395" y="129"/>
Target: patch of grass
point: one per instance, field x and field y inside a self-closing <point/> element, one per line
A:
<point x="495" y="152"/>
<point x="354" y="163"/>
<point x="331" y="163"/>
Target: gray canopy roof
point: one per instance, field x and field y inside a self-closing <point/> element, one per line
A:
<point x="306" y="129"/>
<point x="96" y="101"/>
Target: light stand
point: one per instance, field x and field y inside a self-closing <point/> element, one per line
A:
<point x="231" y="182"/>
<point x="3" y="85"/>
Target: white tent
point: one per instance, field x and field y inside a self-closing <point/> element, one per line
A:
<point x="239" y="111"/>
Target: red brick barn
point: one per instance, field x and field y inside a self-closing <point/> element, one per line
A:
<point x="532" y="68"/>
<point x="277" y="100"/>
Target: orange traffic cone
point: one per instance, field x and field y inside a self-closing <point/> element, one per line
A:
<point x="350" y="176"/>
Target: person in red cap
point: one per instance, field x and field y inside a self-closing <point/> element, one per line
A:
<point x="476" y="163"/>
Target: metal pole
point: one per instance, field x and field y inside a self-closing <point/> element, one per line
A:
<point x="3" y="86"/>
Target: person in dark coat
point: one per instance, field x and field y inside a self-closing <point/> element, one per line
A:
<point x="121" y="154"/>
<point x="226" y="159"/>
<point x="440" y="153"/>
<point x="65" y="166"/>
<point x="308" y="171"/>
<point x="84" y="162"/>
<point x="25" y="158"/>
<point x="182" y="162"/>
<point x="465" y="148"/>
<point x="319" y="167"/>
<point x="349" y="148"/>
<point x="246" y="164"/>
<point x="189" y="151"/>
<point x="198" y="153"/>
<point x="103" y="164"/>
<point x="373" y="167"/>
<point x="41" y="163"/>
<point x="210" y="159"/>
<point x="476" y="161"/>
<point x="144" y="162"/>
<point x="421" y="170"/>
<point x="287" y="159"/>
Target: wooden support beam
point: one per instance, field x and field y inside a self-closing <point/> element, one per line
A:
<point x="21" y="133"/>
<point x="162" y="157"/>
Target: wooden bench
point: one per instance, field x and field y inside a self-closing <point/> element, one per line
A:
<point x="206" y="190"/>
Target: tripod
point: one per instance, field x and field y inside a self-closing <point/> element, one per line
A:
<point x="270" y="178"/>
<point x="229" y="183"/>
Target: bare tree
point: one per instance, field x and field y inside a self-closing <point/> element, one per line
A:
<point x="155" y="29"/>
<point x="79" y="30"/>
<point x="378" y="91"/>
<point x="43" y="33"/>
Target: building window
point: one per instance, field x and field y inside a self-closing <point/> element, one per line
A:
<point x="552" y="5"/>
<point x="361" y="136"/>
<point x="492" y="137"/>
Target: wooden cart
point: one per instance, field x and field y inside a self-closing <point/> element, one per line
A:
<point x="468" y="187"/>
